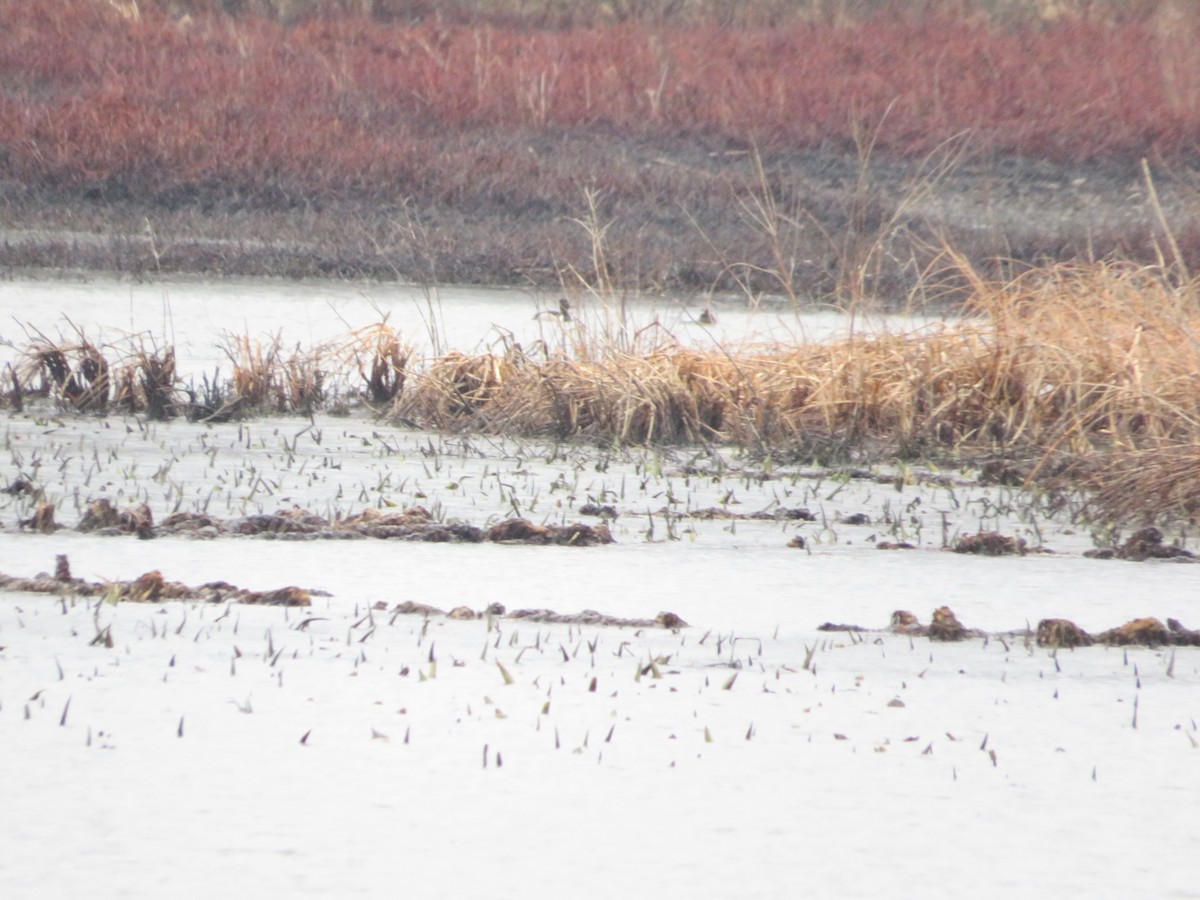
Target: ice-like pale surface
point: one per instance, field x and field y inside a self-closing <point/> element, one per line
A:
<point x="585" y="793"/>
<point x="196" y="316"/>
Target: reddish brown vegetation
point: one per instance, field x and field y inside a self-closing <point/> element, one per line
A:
<point x="453" y="146"/>
<point x="156" y="105"/>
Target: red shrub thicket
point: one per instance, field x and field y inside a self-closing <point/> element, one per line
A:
<point x="152" y="103"/>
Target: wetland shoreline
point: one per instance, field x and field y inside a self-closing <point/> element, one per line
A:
<point x="693" y="239"/>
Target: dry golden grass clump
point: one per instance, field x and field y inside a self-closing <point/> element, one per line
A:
<point x="265" y="379"/>
<point x="456" y="389"/>
<point x="1071" y="358"/>
<point x="381" y="357"/>
<point x="78" y="376"/>
<point x="75" y="375"/>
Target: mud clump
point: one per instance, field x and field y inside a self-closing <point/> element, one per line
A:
<point x="778" y="514"/>
<point x="595" y="509"/>
<point x="287" y="521"/>
<point x="101" y="515"/>
<point x="196" y="524"/>
<point x="1062" y="633"/>
<point x="147" y="587"/>
<point x="1148" y="632"/>
<point x="137" y="520"/>
<point x="519" y="530"/>
<point x="990" y="543"/>
<point x="1146" y="543"/>
<point x="1002" y="472"/>
<point x="522" y="531"/>
<point x="42" y="520"/>
<point x="905" y="622"/>
<point x="286" y="596"/>
<point x="946" y="627"/>
<point x="1184" y="637"/>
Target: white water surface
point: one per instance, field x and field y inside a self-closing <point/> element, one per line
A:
<point x="172" y="764"/>
<point x="197" y="317"/>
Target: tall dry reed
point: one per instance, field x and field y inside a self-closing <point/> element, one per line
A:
<point x="1069" y="358"/>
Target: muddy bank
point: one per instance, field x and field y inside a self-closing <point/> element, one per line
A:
<point x="676" y="215"/>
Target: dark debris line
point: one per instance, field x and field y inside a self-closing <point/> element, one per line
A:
<point x="945" y="626"/>
<point x="152" y="587"/>
<point x="412" y="524"/>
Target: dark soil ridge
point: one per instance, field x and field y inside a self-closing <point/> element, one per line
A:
<point x="412" y="524"/>
<point x="868" y="228"/>
<point x="1053" y="633"/>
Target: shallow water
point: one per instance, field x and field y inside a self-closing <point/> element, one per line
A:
<point x="197" y="316"/>
<point x="173" y="762"/>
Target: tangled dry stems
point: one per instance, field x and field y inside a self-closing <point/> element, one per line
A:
<point x="1070" y="358"/>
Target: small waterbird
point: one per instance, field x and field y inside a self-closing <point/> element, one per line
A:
<point x="563" y="312"/>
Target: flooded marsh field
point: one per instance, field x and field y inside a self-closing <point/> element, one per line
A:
<point x="458" y="702"/>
